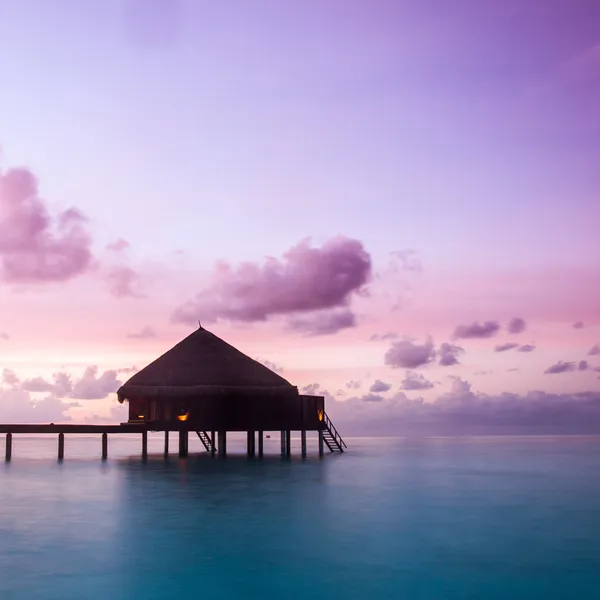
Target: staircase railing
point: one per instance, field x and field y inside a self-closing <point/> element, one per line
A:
<point x="333" y="431"/>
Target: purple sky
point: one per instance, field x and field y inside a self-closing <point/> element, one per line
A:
<point x="176" y="144"/>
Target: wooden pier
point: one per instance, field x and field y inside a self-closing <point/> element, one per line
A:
<point x="328" y="436"/>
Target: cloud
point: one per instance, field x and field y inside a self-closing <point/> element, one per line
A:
<point x="578" y="325"/>
<point x="93" y="387"/>
<point x="415" y="381"/>
<point x="17" y="406"/>
<point x="409" y="355"/>
<point x="516" y="325"/>
<point x="505" y="347"/>
<point x="526" y="348"/>
<point x="37" y="384"/>
<point x="270" y="365"/>
<point x="594" y="350"/>
<point x="372" y="398"/>
<point x="583" y="365"/>
<point x="312" y="389"/>
<point x="4" y="336"/>
<point x="132" y="369"/>
<point x="145" y="333"/>
<point x="306" y="280"/>
<point x="405" y="260"/>
<point x="123" y="282"/>
<point x="119" y="245"/>
<point x="448" y="354"/>
<point x="353" y="385"/>
<point x="323" y="323"/>
<point x="477" y="330"/>
<point x="36" y="247"/>
<point x="9" y="377"/>
<point x="462" y="411"/>
<point x="560" y="367"/>
<point x="380" y="386"/>
<point x="381" y="337"/>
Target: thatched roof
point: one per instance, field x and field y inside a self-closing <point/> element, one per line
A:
<point x="204" y="364"/>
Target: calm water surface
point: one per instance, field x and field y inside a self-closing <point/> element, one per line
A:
<point x="480" y="518"/>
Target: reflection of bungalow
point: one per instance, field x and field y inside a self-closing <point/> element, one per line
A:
<point x="205" y="385"/>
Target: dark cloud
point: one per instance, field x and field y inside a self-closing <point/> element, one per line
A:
<point x="312" y="389"/>
<point x="448" y="354"/>
<point x="561" y="367"/>
<point x="36" y="247"/>
<point x="372" y="398"/>
<point x="407" y="354"/>
<point x="516" y="325"/>
<point x="145" y="333"/>
<point x="323" y="322"/>
<point x="415" y="381"/>
<point x="594" y="350"/>
<point x="306" y="280"/>
<point x="578" y="325"/>
<point x="380" y="386"/>
<point x="505" y="347"/>
<point x="477" y="330"/>
<point x="583" y="365"/>
<point x="526" y="348"/>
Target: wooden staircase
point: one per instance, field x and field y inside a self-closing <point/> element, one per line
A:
<point x="205" y="439"/>
<point x="331" y="437"/>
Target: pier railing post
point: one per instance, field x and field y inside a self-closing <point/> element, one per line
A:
<point x="283" y="442"/>
<point x="144" y="444"/>
<point x="8" y="453"/>
<point x="61" y="446"/>
<point x="104" y="446"/>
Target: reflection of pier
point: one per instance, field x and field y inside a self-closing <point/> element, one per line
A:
<point x="211" y="441"/>
<point x="206" y="386"/>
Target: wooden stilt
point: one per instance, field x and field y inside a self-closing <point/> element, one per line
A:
<point x="222" y="444"/>
<point x="61" y="446"/>
<point x="144" y="444"/>
<point x="251" y="443"/>
<point x="283" y="443"/>
<point x="321" y="448"/>
<point x="213" y="446"/>
<point x="260" y="444"/>
<point x="104" y="446"/>
<point x="8" y="453"/>
<point x="167" y="443"/>
<point x="288" y="443"/>
<point x="303" y="442"/>
<point x="183" y="443"/>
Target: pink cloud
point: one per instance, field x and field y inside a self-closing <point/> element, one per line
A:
<point x="34" y="246"/>
<point x="578" y="325"/>
<point x="448" y="354"/>
<point x="307" y="279"/>
<point x="505" y="347"/>
<point x="415" y="381"/>
<point x="477" y="330"/>
<point x="516" y="325"/>
<point x="526" y="348"/>
<point x="123" y="282"/>
<point x="594" y="350"/>
<point x="380" y="386"/>
<point x="324" y="322"/>
<point x="144" y="334"/>
<point x="561" y="367"/>
<point x="407" y="354"/>
<point x="4" y="336"/>
<point x="119" y="245"/>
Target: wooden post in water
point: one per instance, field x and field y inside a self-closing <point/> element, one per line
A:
<point x="250" y="443"/>
<point x="222" y="443"/>
<point x="144" y="444"/>
<point x="288" y="443"/>
<point x="8" y="453"/>
<point x="303" y="442"/>
<point x="283" y="443"/>
<point x="260" y="444"/>
<point x="321" y="449"/>
<point x="61" y="446"/>
<point x="167" y="442"/>
<point x="213" y="446"/>
<point x="183" y="443"/>
<point x="104" y="446"/>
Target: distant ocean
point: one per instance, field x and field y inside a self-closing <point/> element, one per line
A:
<point x="438" y="518"/>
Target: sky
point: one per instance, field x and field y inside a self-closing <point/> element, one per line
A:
<point x="393" y="203"/>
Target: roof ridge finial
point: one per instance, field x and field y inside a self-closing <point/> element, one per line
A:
<point x="199" y="324"/>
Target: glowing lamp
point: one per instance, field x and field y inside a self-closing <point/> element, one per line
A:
<point x="320" y="415"/>
<point x="183" y="417"/>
